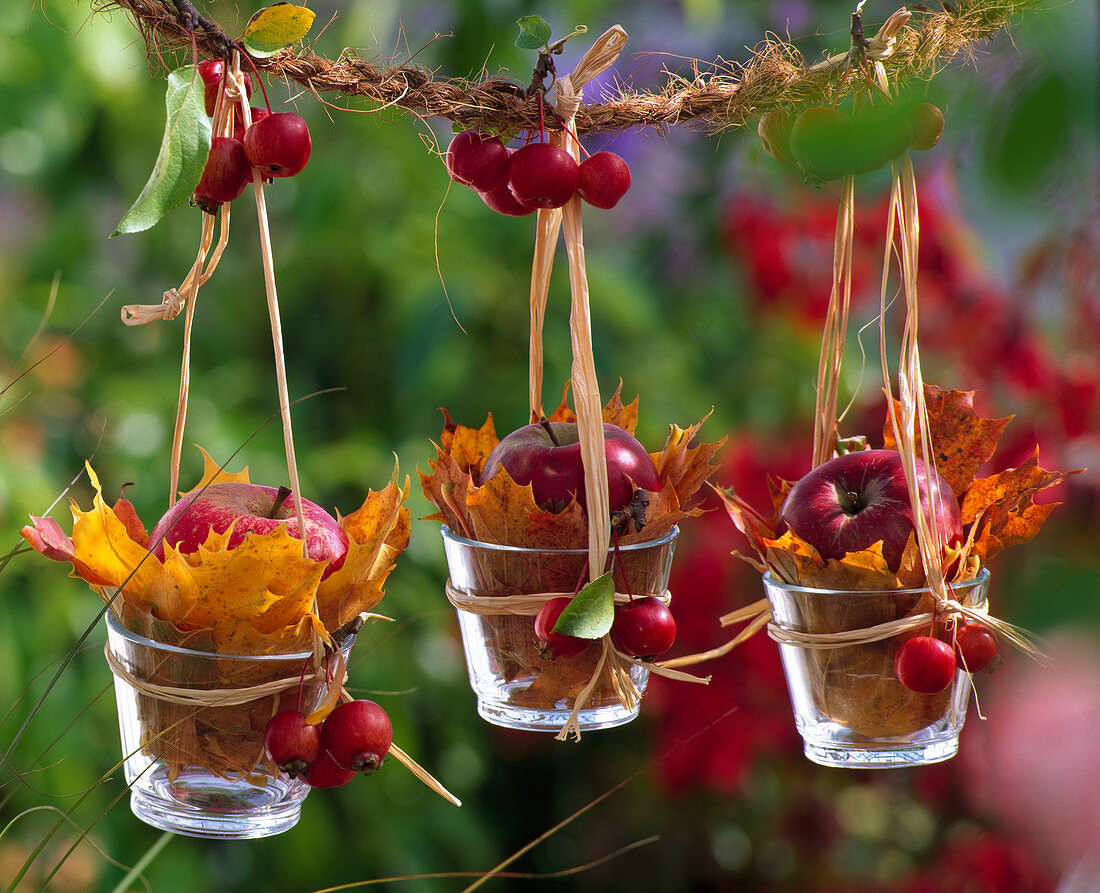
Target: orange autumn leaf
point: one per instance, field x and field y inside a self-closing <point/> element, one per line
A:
<point x="685" y="463"/>
<point x="503" y="512"/>
<point x="754" y="526"/>
<point x="1003" y="508"/>
<point x="961" y="439"/>
<point x="212" y="472"/>
<point x="468" y="447"/>
<point x="264" y="596"/>
<point x="377" y="533"/>
<point x="614" y="411"/>
<point x="446" y="488"/>
<point x="796" y="560"/>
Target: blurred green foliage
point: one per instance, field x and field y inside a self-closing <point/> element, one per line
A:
<point x="401" y="295"/>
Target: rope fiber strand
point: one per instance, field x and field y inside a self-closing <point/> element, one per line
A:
<point x="716" y="96"/>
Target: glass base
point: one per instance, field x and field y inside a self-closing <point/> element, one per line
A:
<point x="541" y="720"/>
<point x="867" y="754"/>
<point x="200" y="804"/>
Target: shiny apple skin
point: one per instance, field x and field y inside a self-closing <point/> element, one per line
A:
<point x="818" y="510"/>
<point x="245" y="507"/>
<point x="555" y="471"/>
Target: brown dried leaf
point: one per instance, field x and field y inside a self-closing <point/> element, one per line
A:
<point x="756" y="528"/>
<point x="468" y="447"/>
<point x="1003" y="506"/>
<point x="505" y="513"/>
<point x="502" y="512"/>
<point x="962" y="439"/>
<point x="685" y="466"/>
<point x="446" y="488"/>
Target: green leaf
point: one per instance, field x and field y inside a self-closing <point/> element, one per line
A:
<point x="534" y="33"/>
<point x="182" y="156"/>
<point x="276" y="27"/>
<point x="590" y="613"/>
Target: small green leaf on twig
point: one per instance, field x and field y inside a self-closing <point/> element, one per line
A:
<point x="182" y="156"/>
<point x="276" y="27"/>
<point x="590" y="613"/>
<point x="534" y="33"/>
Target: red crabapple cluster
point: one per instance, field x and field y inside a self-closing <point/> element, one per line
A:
<point x="276" y="144"/>
<point x="643" y="628"/>
<point x="927" y="665"/>
<point x="536" y="176"/>
<point x="354" y="738"/>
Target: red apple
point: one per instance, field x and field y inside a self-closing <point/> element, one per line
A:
<point x="855" y="500"/>
<point x="547" y="455"/>
<point x="247" y="508"/>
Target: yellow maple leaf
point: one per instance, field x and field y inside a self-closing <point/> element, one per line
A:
<point x="263" y="596"/>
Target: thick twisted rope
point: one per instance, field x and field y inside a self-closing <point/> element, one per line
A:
<point x="716" y="96"/>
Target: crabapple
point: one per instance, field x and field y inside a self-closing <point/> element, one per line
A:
<point x="278" y="144"/>
<point x="543" y="175"/>
<point x="325" y="772"/>
<point x="291" y="742"/>
<point x="926" y="122"/>
<point x="774" y="131"/>
<point x="225" y="175"/>
<point x="925" y="664"/>
<point x="357" y="735"/>
<point x="818" y="139"/>
<point x="257" y="114"/>
<point x="604" y="179"/>
<point x="644" y="628"/>
<point x="975" y="647"/>
<point x="478" y="160"/>
<point x="212" y="72"/>
<point x="550" y="643"/>
<point x="502" y="201"/>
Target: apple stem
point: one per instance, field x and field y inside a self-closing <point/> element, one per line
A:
<point x="549" y="430"/>
<point x="280" y="498"/>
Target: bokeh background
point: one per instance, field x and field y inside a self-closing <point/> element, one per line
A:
<point x="709" y="282"/>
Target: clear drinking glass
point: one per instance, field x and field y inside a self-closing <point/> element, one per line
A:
<point x="515" y="687"/>
<point x="192" y="729"/>
<point x="849" y="707"/>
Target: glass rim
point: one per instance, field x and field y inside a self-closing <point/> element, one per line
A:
<point x="980" y="580"/>
<point x="115" y="626"/>
<point x="449" y="534"/>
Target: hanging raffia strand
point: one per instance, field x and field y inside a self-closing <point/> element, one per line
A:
<point x="712" y="97"/>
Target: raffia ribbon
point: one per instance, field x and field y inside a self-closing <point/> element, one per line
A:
<point x="528" y="605"/>
<point x="220" y="697"/>
<point x="525" y="605"/>
<point x="758" y="615"/>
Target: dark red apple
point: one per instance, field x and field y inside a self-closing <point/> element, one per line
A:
<point x="855" y="500"/>
<point x="247" y="508"/>
<point x="547" y="455"/>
